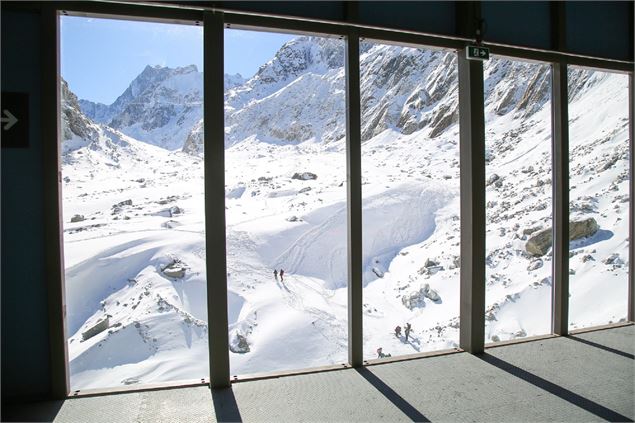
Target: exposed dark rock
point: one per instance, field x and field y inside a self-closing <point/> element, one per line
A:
<point x="77" y="218"/>
<point x="583" y="228"/>
<point x="97" y="328"/>
<point x="175" y="270"/>
<point x="239" y="345"/>
<point x="304" y="176"/>
<point x="539" y="244"/>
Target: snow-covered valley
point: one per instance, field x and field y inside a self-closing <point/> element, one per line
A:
<point x="134" y="220"/>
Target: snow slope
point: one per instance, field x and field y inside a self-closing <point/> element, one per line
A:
<point x="134" y="215"/>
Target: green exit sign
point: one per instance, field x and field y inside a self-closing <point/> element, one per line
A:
<point x="477" y="53"/>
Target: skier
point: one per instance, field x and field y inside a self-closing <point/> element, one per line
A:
<point x="407" y="330"/>
<point x="275" y="273"/>
<point x="398" y="331"/>
<point x="281" y="275"/>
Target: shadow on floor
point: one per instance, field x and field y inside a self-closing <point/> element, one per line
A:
<point x="563" y="393"/>
<point x="44" y="411"/>
<point x="225" y="406"/>
<point x="602" y="347"/>
<point x="412" y="413"/>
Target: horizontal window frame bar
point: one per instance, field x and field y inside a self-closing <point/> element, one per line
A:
<point x="146" y="387"/>
<point x="189" y="14"/>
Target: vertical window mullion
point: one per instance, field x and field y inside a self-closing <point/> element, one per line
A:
<point x="560" y="187"/>
<point x="472" y="160"/>
<point x="53" y="241"/>
<point x="214" y="148"/>
<point x="631" y="232"/>
<point x="354" y="193"/>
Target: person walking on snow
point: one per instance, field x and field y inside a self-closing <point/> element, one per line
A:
<point x="275" y="273"/>
<point x="398" y="331"/>
<point x="281" y="275"/>
<point x="407" y="330"/>
<point x="380" y="353"/>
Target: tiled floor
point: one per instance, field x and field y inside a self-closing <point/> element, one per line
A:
<point x="586" y="377"/>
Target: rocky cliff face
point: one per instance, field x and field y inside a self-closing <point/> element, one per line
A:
<point x="299" y="96"/>
<point x="160" y="106"/>
<point x="75" y="125"/>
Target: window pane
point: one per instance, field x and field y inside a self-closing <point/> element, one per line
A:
<point x="285" y="173"/>
<point x="410" y="210"/>
<point x="599" y="199"/>
<point x="518" y="199"/>
<point x="133" y="210"/>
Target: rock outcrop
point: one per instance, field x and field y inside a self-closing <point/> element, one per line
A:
<point x="540" y="243"/>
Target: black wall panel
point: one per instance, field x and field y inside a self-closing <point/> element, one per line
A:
<point x="518" y="23"/>
<point x="601" y="29"/>
<point x="25" y="342"/>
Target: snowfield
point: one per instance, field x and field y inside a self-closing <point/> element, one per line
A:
<point x="134" y="220"/>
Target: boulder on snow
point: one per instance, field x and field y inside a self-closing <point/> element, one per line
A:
<point x="174" y="270"/>
<point x="174" y="210"/>
<point x="413" y="300"/>
<point x="535" y="264"/>
<point x="582" y="228"/>
<point x="539" y="244"/>
<point x="492" y="179"/>
<point x="97" y="328"/>
<point x="430" y="263"/>
<point x="377" y="271"/>
<point x="123" y="203"/>
<point x="417" y="298"/>
<point x="431" y="293"/>
<point x="77" y="218"/>
<point x="613" y="259"/>
<point x="304" y="176"/>
<point x="239" y="344"/>
<point x="430" y="267"/>
<point x="170" y="224"/>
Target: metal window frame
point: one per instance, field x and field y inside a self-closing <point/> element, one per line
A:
<point x="560" y="198"/>
<point x="472" y="284"/>
<point x="473" y="217"/>
<point x="631" y="235"/>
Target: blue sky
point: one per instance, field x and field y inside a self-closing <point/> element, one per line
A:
<point x="100" y="57"/>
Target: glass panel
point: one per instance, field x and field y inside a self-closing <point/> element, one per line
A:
<point x="599" y="199"/>
<point x="411" y="225"/>
<point x="133" y="210"/>
<point x="285" y="157"/>
<point x="518" y="199"/>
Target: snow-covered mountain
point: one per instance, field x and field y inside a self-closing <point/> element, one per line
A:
<point x="160" y="107"/>
<point x="134" y="212"/>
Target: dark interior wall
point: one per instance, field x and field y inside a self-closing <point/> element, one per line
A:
<point x="523" y="23"/>
<point x="601" y="29"/>
<point x="594" y="28"/>
<point x="25" y="358"/>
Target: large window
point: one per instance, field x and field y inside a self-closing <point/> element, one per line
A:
<point x="518" y="199"/>
<point x="132" y="167"/>
<point x="285" y="167"/>
<point x="599" y="198"/>
<point x="410" y="206"/>
<point x="133" y="212"/>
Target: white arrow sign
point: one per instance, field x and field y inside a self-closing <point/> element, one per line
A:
<point x="9" y="120"/>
